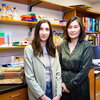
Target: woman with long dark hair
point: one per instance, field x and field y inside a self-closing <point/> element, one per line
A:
<point x="75" y="59"/>
<point x="42" y="67"/>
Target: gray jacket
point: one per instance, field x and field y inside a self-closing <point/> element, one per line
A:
<point x="35" y="74"/>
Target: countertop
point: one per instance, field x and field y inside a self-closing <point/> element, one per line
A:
<point x="9" y="88"/>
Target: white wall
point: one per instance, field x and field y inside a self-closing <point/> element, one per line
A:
<point x="96" y="7"/>
<point x="69" y="2"/>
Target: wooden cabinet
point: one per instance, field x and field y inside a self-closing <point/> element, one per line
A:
<point x="80" y="12"/>
<point x="20" y="94"/>
<point x="92" y="84"/>
<point x="97" y="87"/>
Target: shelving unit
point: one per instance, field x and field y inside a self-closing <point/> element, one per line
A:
<point x="69" y="12"/>
<point x="36" y="3"/>
<point x="78" y="11"/>
<point x="82" y="12"/>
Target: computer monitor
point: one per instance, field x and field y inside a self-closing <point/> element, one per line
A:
<point x="96" y="52"/>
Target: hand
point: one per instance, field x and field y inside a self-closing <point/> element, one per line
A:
<point x="44" y="97"/>
<point x="64" y="88"/>
<point x="57" y="97"/>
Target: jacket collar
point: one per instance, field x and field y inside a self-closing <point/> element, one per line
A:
<point x="66" y="48"/>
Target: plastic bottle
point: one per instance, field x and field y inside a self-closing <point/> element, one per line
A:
<point x="61" y="37"/>
<point x="57" y="39"/>
<point x="4" y="12"/>
<point x="9" y="12"/>
<point x="16" y="15"/>
<point x="12" y="59"/>
<point x="16" y="62"/>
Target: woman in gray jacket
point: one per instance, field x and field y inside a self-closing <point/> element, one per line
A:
<point x="42" y="67"/>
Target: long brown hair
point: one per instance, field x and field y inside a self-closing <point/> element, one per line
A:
<point x="37" y="49"/>
<point x="82" y="31"/>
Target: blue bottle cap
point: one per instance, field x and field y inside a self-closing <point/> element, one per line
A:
<point x="4" y="4"/>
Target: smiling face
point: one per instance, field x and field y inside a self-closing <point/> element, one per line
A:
<point x="44" y="32"/>
<point x="74" y="30"/>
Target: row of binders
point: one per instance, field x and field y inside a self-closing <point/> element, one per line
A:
<point x="91" y="24"/>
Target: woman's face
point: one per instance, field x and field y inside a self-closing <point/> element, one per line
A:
<point x="74" y="30"/>
<point x="44" y="32"/>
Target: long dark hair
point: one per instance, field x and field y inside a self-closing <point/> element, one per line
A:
<point x="82" y="31"/>
<point x="37" y="49"/>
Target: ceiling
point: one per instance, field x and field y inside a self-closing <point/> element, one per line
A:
<point x="93" y="1"/>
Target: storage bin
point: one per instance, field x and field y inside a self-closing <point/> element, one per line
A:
<point x="11" y="75"/>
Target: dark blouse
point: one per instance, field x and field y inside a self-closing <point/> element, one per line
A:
<point x="75" y="65"/>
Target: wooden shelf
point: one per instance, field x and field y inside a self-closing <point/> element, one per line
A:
<point x="58" y="25"/>
<point x="12" y="47"/>
<point x="26" y="23"/>
<point x="37" y="3"/>
<point x="90" y="32"/>
<point x="43" y="4"/>
<point x="17" y="22"/>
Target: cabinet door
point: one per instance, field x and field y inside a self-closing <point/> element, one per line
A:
<point x="16" y="96"/>
<point x="97" y="96"/>
<point x="91" y="79"/>
<point x="98" y="87"/>
<point x="20" y="94"/>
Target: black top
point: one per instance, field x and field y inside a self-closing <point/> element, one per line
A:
<point x="75" y="65"/>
